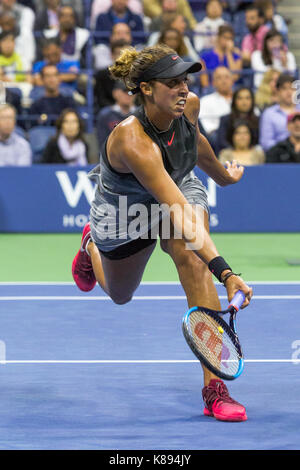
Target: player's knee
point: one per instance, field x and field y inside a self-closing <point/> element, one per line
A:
<point x="187" y="260"/>
<point x="119" y="299"/>
<point x="164" y="245"/>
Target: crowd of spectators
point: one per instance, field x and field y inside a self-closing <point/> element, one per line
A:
<point x="54" y="76"/>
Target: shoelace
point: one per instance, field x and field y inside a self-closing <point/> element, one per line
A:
<point x="85" y="264"/>
<point x="222" y="393"/>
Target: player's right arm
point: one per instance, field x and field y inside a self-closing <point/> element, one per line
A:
<point x="130" y="150"/>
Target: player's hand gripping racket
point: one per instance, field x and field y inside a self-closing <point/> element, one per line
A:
<point x="215" y="342"/>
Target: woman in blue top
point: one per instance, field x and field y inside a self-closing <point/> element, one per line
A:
<point x="223" y="54"/>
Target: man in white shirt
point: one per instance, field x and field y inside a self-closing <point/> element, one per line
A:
<point x="14" y="149"/>
<point x="216" y="104"/>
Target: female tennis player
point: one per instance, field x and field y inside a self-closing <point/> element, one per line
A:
<point x="148" y="160"/>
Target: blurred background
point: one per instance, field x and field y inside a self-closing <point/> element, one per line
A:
<point x="58" y="104"/>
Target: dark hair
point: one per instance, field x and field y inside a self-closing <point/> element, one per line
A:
<point x="5" y="34"/>
<point x="225" y="28"/>
<point x="48" y="42"/>
<point x="257" y="8"/>
<point x="283" y="79"/>
<point x="235" y="95"/>
<point x="266" y="55"/>
<point x="181" y="49"/>
<point x="219" y="1"/>
<point x="75" y="14"/>
<point x="132" y="63"/>
<point x="60" y="120"/>
<point x="66" y="6"/>
<point x="235" y="116"/>
<point x="237" y="124"/>
<point x="45" y="67"/>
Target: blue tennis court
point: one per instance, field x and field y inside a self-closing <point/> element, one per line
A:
<point x="79" y="372"/>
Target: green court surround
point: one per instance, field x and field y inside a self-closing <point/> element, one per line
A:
<point x="48" y="257"/>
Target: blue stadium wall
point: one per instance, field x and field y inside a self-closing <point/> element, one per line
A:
<point x="56" y="198"/>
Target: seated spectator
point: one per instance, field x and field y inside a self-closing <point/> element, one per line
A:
<point x="81" y="9"/>
<point x="69" y="145"/>
<point x="110" y="116"/>
<point x="273" y="20"/>
<point x="242" y="147"/>
<point x="242" y="107"/>
<point x="154" y="9"/>
<point x="175" y="21"/>
<point x="118" y="13"/>
<point x="288" y="150"/>
<point x="275" y="54"/>
<point x="273" y="121"/>
<point x="168" y="7"/>
<point x="206" y="31"/>
<point x="102" y="6"/>
<point x="24" y="39"/>
<point x="12" y="66"/>
<point x="72" y="38"/>
<point x="104" y="83"/>
<point x="174" y="39"/>
<point x="24" y="15"/>
<point x="14" y="149"/>
<point x="103" y="56"/>
<point x="52" y="54"/>
<point x="53" y="102"/>
<point x="257" y="30"/>
<point x="266" y="94"/>
<point x="223" y="54"/>
<point x="47" y="16"/>
<point x="217" y="104"/>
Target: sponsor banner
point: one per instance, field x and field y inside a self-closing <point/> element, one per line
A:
<point x="56" y="198"/>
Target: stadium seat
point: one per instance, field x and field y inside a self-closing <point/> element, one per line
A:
<point x="15" y="90"/>
<point x="20" y="131"/>
<point x="38" y="137"/>
<point x="240" y="27"/>
<point x="37" y="92"/>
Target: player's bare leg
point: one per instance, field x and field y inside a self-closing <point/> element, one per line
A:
<point x="119" y="278"/>
<point x="195" y="279"/>
<point x="199" y="288"/>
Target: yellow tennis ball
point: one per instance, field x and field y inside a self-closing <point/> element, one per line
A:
<point x="220" y="329"/>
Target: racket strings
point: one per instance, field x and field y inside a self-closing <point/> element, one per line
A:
<point x="214" y="343"/>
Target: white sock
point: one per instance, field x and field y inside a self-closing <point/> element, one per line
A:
<point x="90" y="240"/>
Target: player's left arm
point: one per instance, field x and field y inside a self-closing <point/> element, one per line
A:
<point x="207" y="160"/>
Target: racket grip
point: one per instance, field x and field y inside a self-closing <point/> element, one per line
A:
<point x="237" y="300"/>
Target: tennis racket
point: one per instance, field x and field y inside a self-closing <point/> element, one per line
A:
<point x="215" y="342"/>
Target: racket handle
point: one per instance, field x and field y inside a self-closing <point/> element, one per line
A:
<point x="237" y="300"/>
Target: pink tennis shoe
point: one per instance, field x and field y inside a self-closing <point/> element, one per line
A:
<point x="82" y="269"/>
<point x="220" y="405"/>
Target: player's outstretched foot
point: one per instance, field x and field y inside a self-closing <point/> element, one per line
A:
<point x="82" y="268"/>
<point x="219" y="404"/>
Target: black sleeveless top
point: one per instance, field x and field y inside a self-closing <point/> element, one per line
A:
<point x="178" y="146"/>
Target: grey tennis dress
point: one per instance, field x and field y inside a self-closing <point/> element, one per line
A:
<point x="123" y="213"/>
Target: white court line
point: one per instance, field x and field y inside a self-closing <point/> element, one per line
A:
<point x="137" y="297"/>
<point x="150" y="361"/>
<point x="145" y="283"/>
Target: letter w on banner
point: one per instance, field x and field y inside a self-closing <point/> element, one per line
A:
<point x="82" y="186"/>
